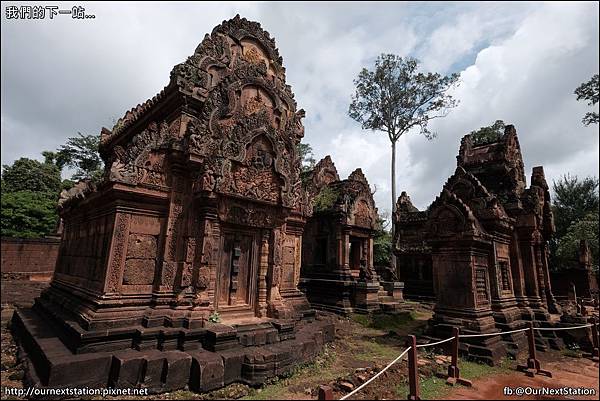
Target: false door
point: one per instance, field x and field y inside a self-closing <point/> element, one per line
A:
<point x="236" y="288"/>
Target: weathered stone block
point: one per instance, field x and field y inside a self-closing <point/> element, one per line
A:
<point x="207" y="372"/>
<point x="155" y="364"/>
<point x="176" y="370"/>
<point x="127" y="369"/>
<point x="232" y="365"/>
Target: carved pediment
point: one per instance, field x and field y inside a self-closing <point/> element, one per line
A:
<point x="323" y="174"/>
<point x="255" y="177"/>
<point x="449" y="216"/>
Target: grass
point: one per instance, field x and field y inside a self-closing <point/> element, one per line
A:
<point x="572" y="353"/>
<point x="372" y="349"/>
<point x="433" y="387"/>
<point x="384" y="321"/>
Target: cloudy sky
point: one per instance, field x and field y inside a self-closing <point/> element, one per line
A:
<point x="519" y="62"/>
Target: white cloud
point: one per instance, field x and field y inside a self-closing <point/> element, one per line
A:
<point x="519" y="62"/>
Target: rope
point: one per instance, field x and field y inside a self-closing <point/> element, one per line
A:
<point x="432" y="344"/>
<point x="563" y="328"/>
<point x="376" y="376"/>
<point x="451" y="338"/>
<point x="491" y="334"/>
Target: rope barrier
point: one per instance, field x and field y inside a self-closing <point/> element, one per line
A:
<point x="437" y="343"/>
<point x="376" y="376"/>
<point x="491" y="334"/>
<point x="452" y="338"/>
<point x="562" y="328"/>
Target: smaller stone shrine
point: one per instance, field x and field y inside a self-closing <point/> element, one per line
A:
<point x="485" y="239"/>
<point x="337" y="248"/>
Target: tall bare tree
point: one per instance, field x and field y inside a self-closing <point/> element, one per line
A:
<point x="396" y="98"/>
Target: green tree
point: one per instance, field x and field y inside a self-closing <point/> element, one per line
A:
<point x="488" y="134"/>
<point x="80" y="152"/>
<point x="28" y="214"/>
<point x="395" y="98"/>
<point x="306" y="156"/>
<point x="307" y="159"/>
<point x="30" y="190"/>
<point x="568" y="246"/>
<point x="589" y="91"/>
<point x="382" y="244"/>
<point x="573" y="200"/>
<point x="31" y="175"/>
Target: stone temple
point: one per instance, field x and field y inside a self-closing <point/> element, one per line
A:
<point x="182" y="266"/>
<point x="338" y="273"/>
<point x="483" y="243"/>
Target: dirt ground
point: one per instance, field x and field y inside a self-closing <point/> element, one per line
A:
<point x="566" y="372"/>
<point x="361" y="349"/>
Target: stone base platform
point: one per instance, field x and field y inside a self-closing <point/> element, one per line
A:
<point x="217" y="356"/>
<point x="347" y="296"/>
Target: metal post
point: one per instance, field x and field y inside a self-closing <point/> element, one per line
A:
<point x="595" y="340"/>
<point x="453" y="371"/>
<point x="325" y="393"/>
<point x="533" y="366"/>
<point x="413" y="374"/>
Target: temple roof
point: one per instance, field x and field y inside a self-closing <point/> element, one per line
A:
<point x="237" y="28"/>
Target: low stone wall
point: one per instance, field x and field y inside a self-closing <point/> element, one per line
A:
<point x="32" y="259"/>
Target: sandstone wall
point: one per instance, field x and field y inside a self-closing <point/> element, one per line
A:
<point x="31" y="258"/>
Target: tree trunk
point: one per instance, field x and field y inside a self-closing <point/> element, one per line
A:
<point x="393" y="257"/>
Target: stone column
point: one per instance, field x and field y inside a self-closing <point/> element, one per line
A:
<point x="263" y="269"/>
<point x="516" y="266"/>
<point x="370" y="259"/>
<point x="540" y="273"/>
<point x="118" y="252"/>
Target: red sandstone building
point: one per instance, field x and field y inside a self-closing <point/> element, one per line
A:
<point x="199" y="218"/>
<point x="484" y="243"/>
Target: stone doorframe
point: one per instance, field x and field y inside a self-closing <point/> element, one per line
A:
<point x="252" y="307"/>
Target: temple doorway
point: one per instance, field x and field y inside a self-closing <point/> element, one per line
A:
<point x="236" y="279"/>
<point x="355" y="255"/>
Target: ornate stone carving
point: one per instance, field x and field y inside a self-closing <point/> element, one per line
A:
<point x="119" y="241"/>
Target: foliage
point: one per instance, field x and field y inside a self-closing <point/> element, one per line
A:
<point x="306" y="156"/>
<point x="568" y="245"/>
<point x="30" y="175"/>
<point x="80" y="152"/>
<point x="308" y="162"/>
<point x="28" y="214"/>
<point x="489" y="134"/>
<point x="214" y="317"/>
<point x="30" y="190"/>
<point x="325" y="199"/>
<point x="573" y="199"/>
<point x="589" y="91"/>
<point x="382" y="245"/>
<point x="395" y="97"/>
